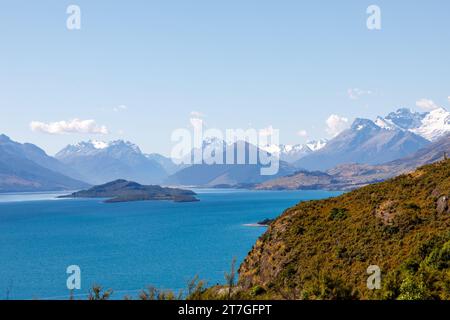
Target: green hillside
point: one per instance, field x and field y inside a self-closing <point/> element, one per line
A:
<point x="322" y="249"/>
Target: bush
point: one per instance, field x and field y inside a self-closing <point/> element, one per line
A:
<point x="439" y="258"/>
<point x="413" y="288"/>
<point x="338" y="214"/>
<point x="257" y="290"/>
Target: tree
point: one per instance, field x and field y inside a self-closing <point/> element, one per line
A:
<point x="230" y="278"/>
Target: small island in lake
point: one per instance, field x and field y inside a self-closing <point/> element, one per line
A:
<point x="126" y="191"/>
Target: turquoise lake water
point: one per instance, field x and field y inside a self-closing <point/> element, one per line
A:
<point x="128" y="246"/>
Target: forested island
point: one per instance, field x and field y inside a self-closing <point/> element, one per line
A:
<point x="127" y="191"/>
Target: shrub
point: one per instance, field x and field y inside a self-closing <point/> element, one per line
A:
<point x="338" y="214"/>
<point x="413" y="288"/>
<point x="257" y="290"/>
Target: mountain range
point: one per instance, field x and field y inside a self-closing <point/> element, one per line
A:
<point x="225" y="174"/>
<point x="25" y="167"/>
<point x="353" y="175"/>
<point x="99" y="162"/>
<point x="374" y="142"/>
<point x="429" y="125"/>
<point x="367" y="152"/>
<point x="291" y="153"/>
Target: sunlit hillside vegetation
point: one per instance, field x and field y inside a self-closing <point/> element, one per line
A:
<point x="322" y="249"/>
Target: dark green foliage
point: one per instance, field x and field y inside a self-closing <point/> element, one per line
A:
<point x="257" y="290"/>
<point x="322" y="249"/>
<point x="338" y="214"/>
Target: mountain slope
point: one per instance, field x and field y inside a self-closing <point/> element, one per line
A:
<point x="100" y="162"/>
<point x="25" y="167"/>
<point x="434" y="125"/>
<point x="292" y="153"/>
<point x="322" y="249"/>
<point x="365" y="174"/>
<point x="365" y="142"/>
<point x="166" y="163"/>
<point x="351" y="176"/>
<point x="227" y="174"/>
<point x="429" y="125"/>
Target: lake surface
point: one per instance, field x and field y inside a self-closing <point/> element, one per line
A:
<point x="128" y="246"/>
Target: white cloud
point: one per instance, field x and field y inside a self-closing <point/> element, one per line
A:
<point x="336" y="124"/>
<point x="356" y="93"/>
<point x="122" y="107"/>
<point x="72" y="126"/>
<point x="448" y="98"/>
<point x="302" y="133"/>
<point x="427" y="105"/>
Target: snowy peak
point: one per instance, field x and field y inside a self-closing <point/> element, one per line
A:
<point x="292" y="153"/>
<point x="286" y="152"/>
<point x="364" y="124"/>
<point x="124" y="145"/>
<point x="434" y="125"/>
<point x="429" y="125"/>
<point x="405" y="118"/>
<point x="99" y="144"/>
<point x="385" y="124"/>
<point x="93" y="147"/>
<point x="317" y="144"/>
<point x="99" y="162"/>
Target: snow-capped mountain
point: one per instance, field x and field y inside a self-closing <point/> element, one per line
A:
<point x="404" y="118"/>
<point x="366" y="141"/>
<point x="209" y="146"/>
<point x="429" y="125"/>
<point x="218" y="169"/>
<point x="291" y="153"/>
<point x="100" y="162"/>
<point x="93" y="147"/>
<point x="317" y="144"/>
<point x="288" y="153"/>
<point x="434" y="125"/>
<point x="396" y="135"/>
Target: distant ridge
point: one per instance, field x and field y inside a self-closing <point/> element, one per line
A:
<point x="353" y="175"/>
<point x="365" y="142"/>
<point x="395" y="136"/>
<point x="26" y="168"/>
<point x="99" y="162"/>
<point x="227" y="175"/>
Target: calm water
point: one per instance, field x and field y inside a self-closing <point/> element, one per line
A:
<point x="127" y="246"/>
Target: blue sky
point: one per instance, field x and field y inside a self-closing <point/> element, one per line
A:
<point x="286" y="64"/>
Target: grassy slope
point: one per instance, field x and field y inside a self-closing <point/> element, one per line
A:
<point x="322" y="249"/>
